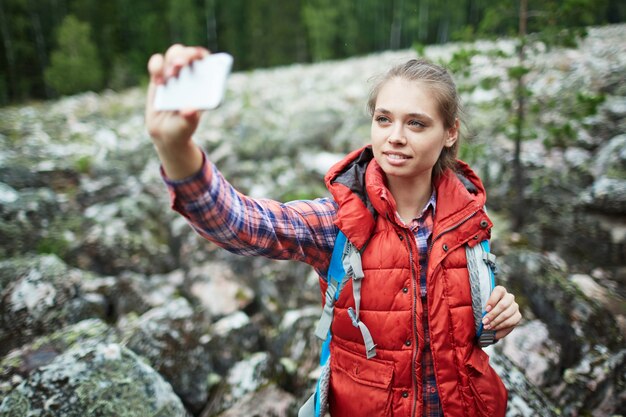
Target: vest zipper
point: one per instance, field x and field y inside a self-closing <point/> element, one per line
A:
<point x="457" y="224"/>
<point x="432" y="242"/>
<point x="414" y="316"/>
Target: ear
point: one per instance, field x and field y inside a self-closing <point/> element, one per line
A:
<point x="452" y="134"/>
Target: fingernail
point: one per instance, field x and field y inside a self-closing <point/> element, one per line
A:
<point x="485" y="320"/>
<point x="487" y="326"/>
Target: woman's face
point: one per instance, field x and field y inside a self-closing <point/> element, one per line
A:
<point x="407" y="131"/>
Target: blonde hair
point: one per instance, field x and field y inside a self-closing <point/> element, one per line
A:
<point x="439" y="80"/>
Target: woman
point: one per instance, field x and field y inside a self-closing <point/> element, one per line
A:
<point x="408" y="205"/>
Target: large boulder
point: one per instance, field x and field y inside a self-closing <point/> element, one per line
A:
<point x="174" y="340"/>
<point x="20" y="363"/>
<point x="105" y="380"/>
<point x="246" y="381"/>
<point x="587" y="342"/>
<point x="41" y="294"/>
<point x="126" y="234"/>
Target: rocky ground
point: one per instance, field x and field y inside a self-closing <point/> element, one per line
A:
<point x="111" y="306"/>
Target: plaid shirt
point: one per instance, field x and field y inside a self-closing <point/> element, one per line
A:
<point x="302" y="230"/>
<point x="422" y="228"/>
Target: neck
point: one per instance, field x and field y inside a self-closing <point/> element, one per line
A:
<point x="411" y="195"/>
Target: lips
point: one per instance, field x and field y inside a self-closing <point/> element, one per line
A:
<point x="396" y="156"/>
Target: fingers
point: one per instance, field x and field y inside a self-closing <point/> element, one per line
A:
<point x="177" y="56"/>
<point x="505" y="312"/>
<point x="191" y="115"/>
<point x="171" y="127"/>
<point x="161" y="67"/>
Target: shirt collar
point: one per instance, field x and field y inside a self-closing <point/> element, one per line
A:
<point x="430" y="204"/>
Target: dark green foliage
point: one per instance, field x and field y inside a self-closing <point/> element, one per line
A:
<point x="74" y="65"/>
<point x="259" y="33"/>
<point x="461" y="61"/>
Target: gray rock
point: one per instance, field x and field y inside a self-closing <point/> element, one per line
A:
<point x="30" y="223"/>
<point x="525" y="400"/>
<point x="173" y="338"/>
<point x="530" y="348"/>
<point x="7" y="194"/>
<point x="606" y="195"/>
<point x="233" y="338"/>
<point x="572" y="318"/>
<point x="18" y="176"/>
<point x="610" y="160"/>
<point x="296" y="343"/>
<point x="205" y="281"/>
<point x="106" y="380"/>
<point x="126" y="234"/>
<point x="20" y="363"/>
<point x="246" y="380"/>
<point x="577" y="158"/>
<point x="615" y="107"/>
<point x="591" y="340"/>
<point x="595" y="385"/>
<point x="40" y="295"/>
<point x="269" y="401"/>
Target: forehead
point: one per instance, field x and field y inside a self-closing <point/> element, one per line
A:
<point x="399" y="95"/>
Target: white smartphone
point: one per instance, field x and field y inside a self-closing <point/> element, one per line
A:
<point x="200" y="85"/>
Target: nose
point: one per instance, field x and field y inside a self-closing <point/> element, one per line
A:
<point x="396" y="135"/>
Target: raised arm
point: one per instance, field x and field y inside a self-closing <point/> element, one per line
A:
<point x="172" y="131"/>
<point x="300" y="230"/>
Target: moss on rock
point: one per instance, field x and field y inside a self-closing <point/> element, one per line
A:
<point x="104" y="380"/>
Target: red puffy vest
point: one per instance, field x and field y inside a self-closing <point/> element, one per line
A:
<point x="390" y="383"/>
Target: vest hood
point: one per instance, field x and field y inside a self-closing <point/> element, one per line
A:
<point x="358" y="185"/>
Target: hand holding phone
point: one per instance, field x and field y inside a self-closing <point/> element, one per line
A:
<point x="200" y="85"/>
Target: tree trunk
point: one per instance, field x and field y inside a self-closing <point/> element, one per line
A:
<point x="423" y="19"/>
<point x="9" y="54"/>
<point x="211" y="25"/>
<point x="518" y="171"/>
<point x="40" y="44"/>
<point x="396" y="24"/>
<point x="443" y="22"/>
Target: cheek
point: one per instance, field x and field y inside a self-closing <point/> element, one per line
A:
<point x="430" y="148"/>
<point x="376" y="135"/>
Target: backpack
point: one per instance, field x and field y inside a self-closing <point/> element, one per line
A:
<point x="345" y="264"/>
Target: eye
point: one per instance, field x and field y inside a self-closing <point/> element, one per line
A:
<point x="416" y="123"/>
<point x="380" y="119"/>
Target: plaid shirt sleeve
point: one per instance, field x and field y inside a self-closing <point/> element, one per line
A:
<point x="301" y="230"/>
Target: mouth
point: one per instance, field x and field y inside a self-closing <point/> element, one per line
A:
<point x="396" y="156"/>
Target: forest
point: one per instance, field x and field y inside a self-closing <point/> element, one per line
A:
<point x="60" y="47"/>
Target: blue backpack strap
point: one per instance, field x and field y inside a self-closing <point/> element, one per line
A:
<point x="345" y="263"/>
<point x="334" y="277"/>
<point x="317" y="404"/>
<point x="352" y="264"/>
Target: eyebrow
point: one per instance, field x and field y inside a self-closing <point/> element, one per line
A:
<point x="417" y="115"/>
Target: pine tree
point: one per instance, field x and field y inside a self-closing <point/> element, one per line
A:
<point x="74" y="65"/>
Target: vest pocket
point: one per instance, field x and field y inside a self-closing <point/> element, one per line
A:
<point x="358" y="386"/>
<point x="484" y="390"/>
